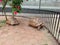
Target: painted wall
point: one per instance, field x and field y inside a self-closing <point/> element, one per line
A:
<point x="44" y="4"/>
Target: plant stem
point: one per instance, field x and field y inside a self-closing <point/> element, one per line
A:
<point x="3" y="9"/>
<point x="5" y="15"/>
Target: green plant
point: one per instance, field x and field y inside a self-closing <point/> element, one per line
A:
<point x="16" y="5"/>
<point x="16" y="8"/>
<point x="2" y="23"/>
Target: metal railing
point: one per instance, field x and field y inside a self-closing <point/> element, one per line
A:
<point x="52" y="22"/>
<point x="55" y="26"/>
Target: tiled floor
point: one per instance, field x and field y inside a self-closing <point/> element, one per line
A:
<point x="24" y="35"/>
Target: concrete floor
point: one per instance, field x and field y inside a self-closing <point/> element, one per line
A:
<point x="24" y="35"/>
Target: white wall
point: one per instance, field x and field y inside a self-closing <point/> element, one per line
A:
<point x="46" y="4"/>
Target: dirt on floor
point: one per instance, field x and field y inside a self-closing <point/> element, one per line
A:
<point x="23" y="34"/>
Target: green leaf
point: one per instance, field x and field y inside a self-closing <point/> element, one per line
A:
<point x="16" y="3"/>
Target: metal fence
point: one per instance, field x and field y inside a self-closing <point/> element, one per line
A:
<point x="55" y="26"/>
<point x="52" y="22"/>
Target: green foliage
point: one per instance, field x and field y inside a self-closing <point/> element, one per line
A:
<point x="2" y="23"/>
<point x="15" y="4"/>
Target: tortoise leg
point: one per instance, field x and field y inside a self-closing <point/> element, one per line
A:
<point x="38" y="27"/>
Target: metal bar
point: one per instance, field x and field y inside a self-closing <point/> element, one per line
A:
<point x="54" y="23"/>
<point x="57" y="37"/>
<point x="39" y="4"/>
<point x="57" y="25"/>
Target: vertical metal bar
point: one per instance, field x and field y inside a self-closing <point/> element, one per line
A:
<point x="52" y="22"/>
<point x="48" y="22"/>
<point x="53" y="16"/>
<point x="39" y="4"/>
<point x="56" y="24"/>
<point x="59" y="36"/>
<point x="57" y="30"/>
